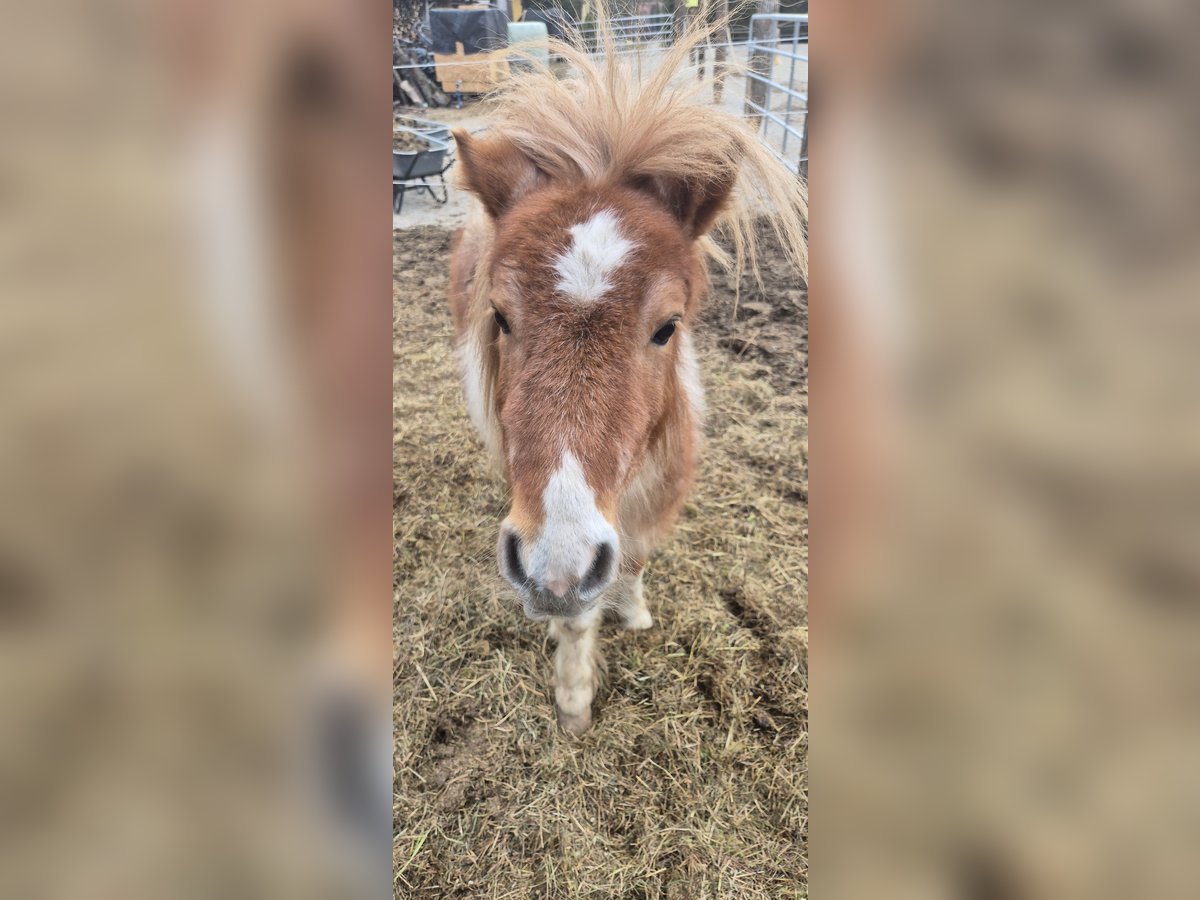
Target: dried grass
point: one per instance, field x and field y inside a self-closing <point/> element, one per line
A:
<point x="692" y="782"/>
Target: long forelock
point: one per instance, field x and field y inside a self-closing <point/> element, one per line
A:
<point x="607" y="124"/>
<point x="599" y="128"/>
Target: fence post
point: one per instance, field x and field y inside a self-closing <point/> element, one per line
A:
<point x="723" y="38"/>
<point x="803" y="167"/>
<point x="763" y="32"/>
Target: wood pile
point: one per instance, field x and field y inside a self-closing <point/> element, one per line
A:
<point x="410" y="85"/>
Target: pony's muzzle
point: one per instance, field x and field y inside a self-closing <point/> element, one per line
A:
<point x="556" y="590"/>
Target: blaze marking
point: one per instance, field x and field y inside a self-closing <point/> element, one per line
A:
<point x="597" y="250"/>
<point x="573" y="526"/>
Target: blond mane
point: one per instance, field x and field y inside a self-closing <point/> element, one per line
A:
<point x="608" y="120"/>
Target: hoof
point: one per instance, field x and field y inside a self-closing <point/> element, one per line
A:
<point x="575" y="724"/>
<point x="637" y="619"/>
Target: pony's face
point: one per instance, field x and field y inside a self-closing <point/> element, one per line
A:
<point x="593" y="292"/>
<point x="592" y="295"/>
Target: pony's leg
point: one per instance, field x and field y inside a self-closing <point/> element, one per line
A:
<point x="576" y="670"/>
<point x="635" y="615"/>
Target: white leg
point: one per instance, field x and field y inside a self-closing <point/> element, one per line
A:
<point x="635" y="615"/>
<point x="576" y="670"/>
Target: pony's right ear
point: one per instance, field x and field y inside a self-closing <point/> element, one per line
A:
<point x="694" y="202"/>
<point x="495" y="170"/>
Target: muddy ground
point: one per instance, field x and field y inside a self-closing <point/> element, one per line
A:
<point x="693" y="781"/>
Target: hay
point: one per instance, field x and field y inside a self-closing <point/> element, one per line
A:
<point x="692" y="782"/>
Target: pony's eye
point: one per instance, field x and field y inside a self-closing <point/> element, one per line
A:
<point x="502" y="322"/>
<point x="664" y="334"/>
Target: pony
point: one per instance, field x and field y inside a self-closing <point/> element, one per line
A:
<point x="574" y="289"/>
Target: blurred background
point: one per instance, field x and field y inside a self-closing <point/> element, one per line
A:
<point x="1006" y="451"/>
<point x="195" y="596"/>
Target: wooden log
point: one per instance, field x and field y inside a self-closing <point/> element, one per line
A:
<point x="413" y="94"/>
<point x="430" y="93"/>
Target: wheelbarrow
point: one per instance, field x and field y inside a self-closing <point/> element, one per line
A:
<point x="413" y="170"/>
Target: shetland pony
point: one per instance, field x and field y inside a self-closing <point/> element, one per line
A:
<point x="575" y="289"/>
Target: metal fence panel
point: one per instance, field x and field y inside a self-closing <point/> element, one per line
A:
<point x="782" y="108"/>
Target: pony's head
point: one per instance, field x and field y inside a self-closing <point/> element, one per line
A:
<point x="600" y="192"/>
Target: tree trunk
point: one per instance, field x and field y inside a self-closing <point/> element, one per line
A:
<point x="761" y="63"/>
<point x="719" y="11"/>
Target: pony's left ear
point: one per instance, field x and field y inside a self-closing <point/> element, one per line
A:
<point x="694" y="201"/>
<point x="495" y="170"/>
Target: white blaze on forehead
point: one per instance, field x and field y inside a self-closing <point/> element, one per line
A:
<point x="597" y="250"/>
<point x="573" y="528"/>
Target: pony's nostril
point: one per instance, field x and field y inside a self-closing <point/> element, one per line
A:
<point x="510" y="561"/>
<point x="600" y="572"/>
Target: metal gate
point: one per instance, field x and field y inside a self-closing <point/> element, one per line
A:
<point x="777" y="56"/>
<point x="630" y="31"/>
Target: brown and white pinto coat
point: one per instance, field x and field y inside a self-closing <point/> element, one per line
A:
<point x="573" y="307"/>
<point x="575" y="290"/>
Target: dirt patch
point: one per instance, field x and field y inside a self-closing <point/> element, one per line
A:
<point x="763" y="320"/>
<point x="693" y="781"/>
